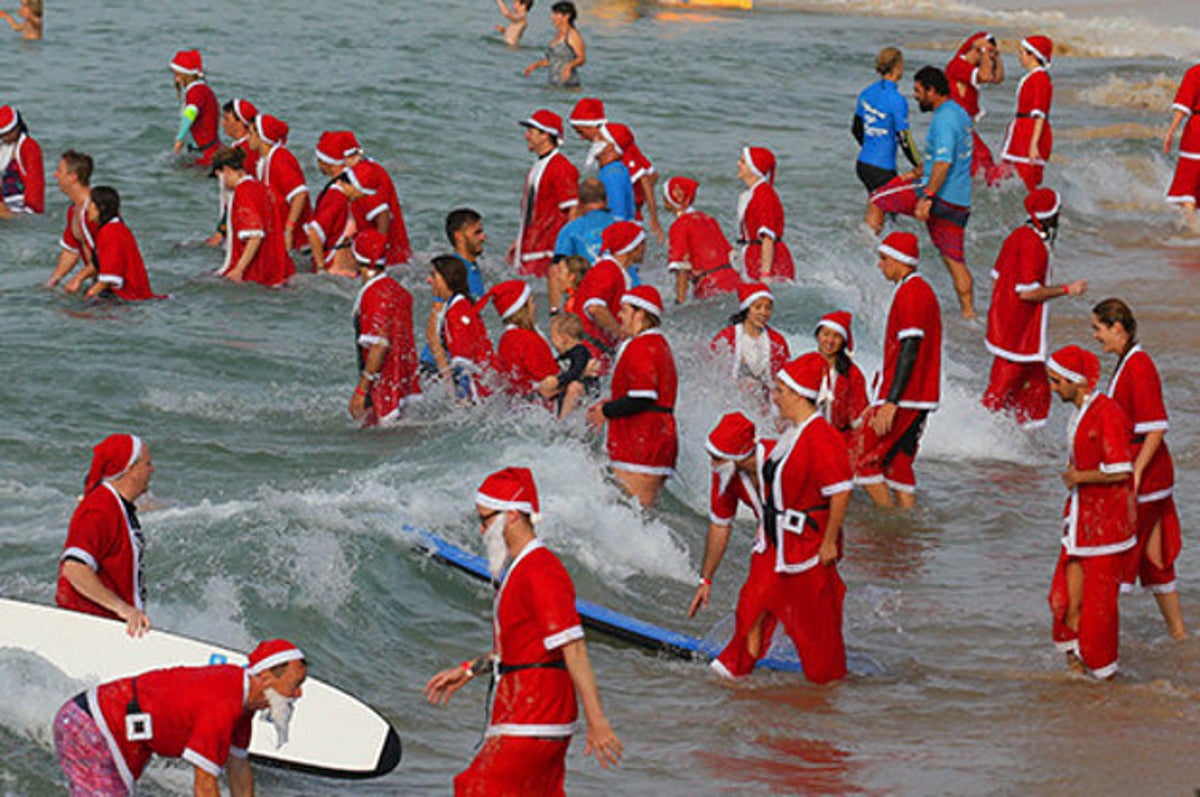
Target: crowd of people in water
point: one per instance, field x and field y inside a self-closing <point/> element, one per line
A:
<point x="582" y="243"/>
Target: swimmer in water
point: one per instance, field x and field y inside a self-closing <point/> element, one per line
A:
<point x="566" y="51"/>
<point x="518" y="19"/>
<point x="30" y="26"/>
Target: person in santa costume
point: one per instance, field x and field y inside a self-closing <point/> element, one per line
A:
<point x="383" y="332"/>
<point x="74" y="176"/>
<point x="597" y="300"/>
<point x="750" y="348"/>
<point x="760" y="219"/>
<point x="976" y="63"/>
<point x="804" y="485"/>
<point x="524" y="358"/>
<point x="538" y="661"/>
<point x="642" y="441"/>
<point x="1018" y="319"/>
<point x="1137" y="388"/>
<point x="549" y="198"/>
<point x="100" y="569"/>
<point x="698" y="252"/>
<point x="120" y="270"/>
<point x="1185" y="185"/>
<point x="278" y="169"/>
<point x="332" y="227"/>
<point x="22" y="175"/>
<point x="1030" y="138"/>
<point x="457" y="337"/>
<point x="255" y="250"/>
<point x="381" y="208"/>
<point x="908" y="387"/>
<point x="587" y="118"/>
<point x="237" y="117"/>
<point x="843" y="395"/>
<point x="1098" y="519"/>
<point x="105" y="736"/>
<point x="200" y="112"/>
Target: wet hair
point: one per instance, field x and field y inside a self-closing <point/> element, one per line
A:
<point x="565" y="7"/>
<point x="933" y="79"/>
<point x="80" y="165"/>
<point x="458" y="219"/>
<point x="1049" y="229"/>
<point x="739" y="316"/>
<point x="887" y="59"/>
<point x="36" y="7"/>
<point x="841" y="361"/>
<point x="567" y="324"/>
<point x="229" y="157"/>
<point x="1112" y="311"/>
<point x="527" y="3"/>
<point x="107" y="202"/>
<point x="576" y="265"/>
<point x="592" y="192"/>
<point x="454" y="272"/>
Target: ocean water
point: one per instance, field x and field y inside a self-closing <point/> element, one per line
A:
<point x="277" y="517"/>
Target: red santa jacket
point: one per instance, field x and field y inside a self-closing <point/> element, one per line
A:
<point x="102" y="537"/>
<point x="120" y="263"/>
<point x="551" y="191"/>
<point x="914" y="313"/>
<point x="1187" y="99"/>
<point x="1099" y="519"/>
<point x="253" y="213"/>
<point x="367" y="210"/>
<point x="1136" y="387"/>
<point x="1017" y="328"/>
<point x="1035" y="93"/>
<point x="383" y="313"/>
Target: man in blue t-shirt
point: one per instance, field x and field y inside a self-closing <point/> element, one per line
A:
<point x="617" y="185"/>
<point x="881" y="123"/>
<point x="941" y="196"/>
<point x="581" y="236"/>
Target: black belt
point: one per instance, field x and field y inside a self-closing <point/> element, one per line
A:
<point x="758" y="241"/>
<point x="664" y="410"/>
<point x="1138" y="439"/>
<point x="697" y="277"/>
<point x="1031" y="116"/>
<point x="505" y="669"/>
<point x="599" y="344"/>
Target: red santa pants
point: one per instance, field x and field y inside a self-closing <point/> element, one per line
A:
<point x="1031" y="174"/>
<point x="1137" y="565"/>
<point x="889" y="457"/>
<point x="1019" y="388"/>
<point x="1096" y="641"/>
<point x="782" y="267"/>
<point x="516" y="766"/>
<point x="1186" y="184"/>
<point x="809" y="604"/>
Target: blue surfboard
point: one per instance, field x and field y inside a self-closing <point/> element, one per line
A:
<point x="611" y="623"/>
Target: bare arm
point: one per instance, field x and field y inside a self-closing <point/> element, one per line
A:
<point x="75" y="283"/>
<point x="681" y="286"/>
<point x="937" y="176"/>
<point x="1073" y="478"/>
<point x="66" y="261"/>
<point x="1045" y="294"/>
<point x="372" y="367"/>
<point x="1176" y="119"/>
<point x="1035" y="138"/>
<point x="295" y="208"/>
<point x="714" y="551"/>
<point x="318" y="249"/>
<point x="205" y="784"/>
<point x="8" y="18"/>
<point x="648" y="181"/>
<point x="88" y="584"/>
<point x="768" y="254"/>
<point x="837" y="515"/>
<point x="576" y="42"/>
<point x="252" y="245"/>
<point x="1149" y="449"/>
<point x="601" y="738"/>
<point x="604" y="319"/>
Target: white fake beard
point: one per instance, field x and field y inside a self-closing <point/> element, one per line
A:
<point x="593" y="155"/>
<point x="497" y="548"/>
<point x="279" y="714"/>
<point x="725" y="472"/>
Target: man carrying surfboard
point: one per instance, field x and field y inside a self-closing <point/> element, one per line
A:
<point x="104" y="737"/>
<point x="539" y="657"/>
<point x="100" y="570"/>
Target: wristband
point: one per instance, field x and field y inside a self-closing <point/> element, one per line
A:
<point x="1066" y="290"/>
<point x="470" y="668"/>
<point x="370" y="377"/>
<point x="705" y="582"/>
<point x="358" y="391"/>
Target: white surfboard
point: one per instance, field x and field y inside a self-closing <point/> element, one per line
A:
<point x="332" y="734"/>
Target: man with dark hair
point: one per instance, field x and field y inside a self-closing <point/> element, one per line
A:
<point x="74" y="178"/>
<point x="464" y="230"/>
<point x="255" y="249"/>
<point x="549" y="198"/>
<point x="941" y="197"/>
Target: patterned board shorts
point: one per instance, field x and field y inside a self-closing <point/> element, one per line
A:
<point x="84" y="756"/>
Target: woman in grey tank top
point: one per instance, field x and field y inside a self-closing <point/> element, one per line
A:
<point x="566" y="52"/>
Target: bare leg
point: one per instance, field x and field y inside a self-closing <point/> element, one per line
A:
<point x="645" y="487"/>
<point x="1189" y="217"/>
<point x="963" y="285"/>
<point x="873" y="218"/>
<point x="879" y="493"/>
<point x="571" y="399"/>
<point x="1168" y="604"/>
<point x="904" y="500"/>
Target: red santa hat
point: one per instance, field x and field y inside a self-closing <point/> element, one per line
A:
<point x="510" y="490"/>
<point x="588" y="112"/>
<point x="680" y="191"/>
<point x="732" y="437"/>
<point x="331" y="148"/>
<point x="272" y="653"/>
<point x="546" y="121"/>
<point x="620" y="136"/>
<point x="967" y="45"/>
<point x="1075" y="365"/>
<point x="350" y="143"/>
<point x="270" y="129"/>
<point x="621" y="237"/>
<point x="839" y="321"/>
<point x="804" y="374"/>
<point x="243" y="110"/>
<point x="9" y="119"/>
<point x="112" y="457"/>
<point x="761" y="161"/>
<point x="1041" y="47"/>
<point x="363" y="178"/>
<point x="901" y="246"/>
<point x="1042" y="203"/>
<point x="645" y="297"/>
<point x="370" y="247"/>
<point x="508" y="297"/>
<point x="751" y="292"/>
<point x="187" y="62"/>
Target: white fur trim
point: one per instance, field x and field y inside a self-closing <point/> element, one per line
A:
<point x="896" y="254"/>
<point x="275" y="659"/>
<point x="641" y="303"/>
